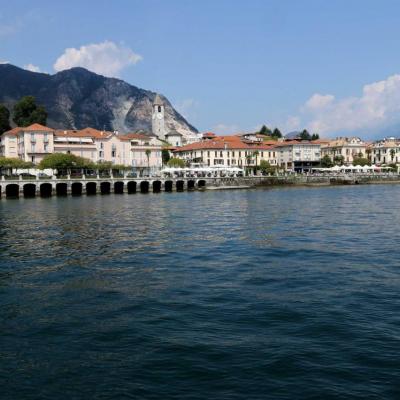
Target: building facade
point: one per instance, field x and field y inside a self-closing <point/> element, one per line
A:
<point x="298" y="156"/>
<point x="386" y="151"/>
<point x="229" y="151"/>
<point x="36" y="141"/>
<point x="346" y="149"/>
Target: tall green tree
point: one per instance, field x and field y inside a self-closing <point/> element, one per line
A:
<point x="4" y="119"/>
<point x="315" y="136"/>
<point x="265" y="131"/>
<point x="27" y="112"/>
<point x="276" y="134"/>
<point x="304" y="135"/>
<point x="165" y="156"/>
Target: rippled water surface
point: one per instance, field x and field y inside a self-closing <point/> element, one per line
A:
<point x="283" y="294"/>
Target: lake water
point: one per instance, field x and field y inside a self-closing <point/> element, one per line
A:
<point x="289" y="293"/>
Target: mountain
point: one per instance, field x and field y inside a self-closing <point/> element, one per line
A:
<point x="293" y="135"/>
<point x="77" y="98"/>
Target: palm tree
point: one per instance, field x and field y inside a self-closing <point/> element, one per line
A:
<point x="248" y="159"/>
<point x="392" y="153"/>
<point x="368" y="151"/>
<point x="148" y="152"/>
<point x="256" y="154"/>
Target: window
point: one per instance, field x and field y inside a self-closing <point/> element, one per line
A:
<point x="220" y="154"/>
<point x="215" y="154"/>
<point x="113" y="153"/>
<point x="100" y="154"/>
<point x="159" y="109"/>
<point x="102" y="145"/>
<point x="45" y="148"/>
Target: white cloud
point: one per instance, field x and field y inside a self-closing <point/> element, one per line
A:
<point x="318" y="101"/>
<point x="187" y="108"/>
<point x="376" y="109"/>
<point x="225" y="129"/>
<point x="32" y="68"/>
<point x="4" y="62"/>
<point x="106" y="58"/>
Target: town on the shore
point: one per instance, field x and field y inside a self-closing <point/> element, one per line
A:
<point x="254" y="153"/>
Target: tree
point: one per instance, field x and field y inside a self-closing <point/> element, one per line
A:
<point x="392" y="153"/>
<point x="256" y="154"/>
<point x="338" y="160"/>
<point x="360" y="161"/>
<point x="265" y="131"/>
<point x="11" y="163"/>
<point x="304" y="135"/>
<point x="64" y="161"/>
<point x="26" y="112"/>
<point x="326" y="162"/>
<point x="368" y="151"/>
<point x="315" y="136"/>
<point x="266" y="167"/>
<point x="148" y="152"/>
<point x="276" y="134"/>
<point x="165" y="156"/>
<point x="4" y="119"/>
<point x="176" y="163"/>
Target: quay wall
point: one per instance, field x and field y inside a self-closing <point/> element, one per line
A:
<point x="12" y="188"/>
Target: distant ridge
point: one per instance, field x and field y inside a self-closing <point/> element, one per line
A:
<point x="77" y="98"/>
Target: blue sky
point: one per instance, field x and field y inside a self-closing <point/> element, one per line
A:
<point x="229" y="65"/>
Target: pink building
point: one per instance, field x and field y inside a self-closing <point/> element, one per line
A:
<point x="34" y="142"/>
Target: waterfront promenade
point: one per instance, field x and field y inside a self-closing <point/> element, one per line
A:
<point x="63" y="186"/>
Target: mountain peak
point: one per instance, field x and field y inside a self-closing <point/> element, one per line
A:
<point x="76" y="98"/>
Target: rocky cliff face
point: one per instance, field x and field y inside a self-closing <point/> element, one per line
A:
<point x="78" y="98"/>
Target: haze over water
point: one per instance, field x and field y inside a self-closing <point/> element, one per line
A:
<point x="289" y="293"/>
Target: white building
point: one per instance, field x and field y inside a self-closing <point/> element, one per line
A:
<point x="174" y="138"/>
<point x="386" y="151"/>
<point x="298" y="156"/>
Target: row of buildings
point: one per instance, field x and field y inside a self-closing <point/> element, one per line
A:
<point x="34" y="142"/>
<point x="140" y="150"/>
<point x="249" y="150"/>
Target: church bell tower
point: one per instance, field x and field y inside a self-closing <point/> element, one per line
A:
<point x="157" y="124"/>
